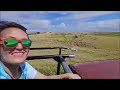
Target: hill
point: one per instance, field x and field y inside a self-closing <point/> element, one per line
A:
<point x="90" y="46"/>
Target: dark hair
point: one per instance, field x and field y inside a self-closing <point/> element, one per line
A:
<point x="8" y="24"/>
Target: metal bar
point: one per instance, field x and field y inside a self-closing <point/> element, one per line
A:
<point x="60" y="51"/>
<point x="52" y="48"/>
<point x="44" y="48"/>
<point x="65" y="65"/>
<point x="58" y="68"/>
<point x="50" y="56"/>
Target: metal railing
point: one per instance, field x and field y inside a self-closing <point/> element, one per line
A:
<point x="60" y="58"/>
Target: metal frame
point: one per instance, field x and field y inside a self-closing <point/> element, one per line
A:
<point x="60" y="58"/>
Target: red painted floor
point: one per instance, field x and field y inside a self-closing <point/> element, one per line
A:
<point x="100" y="69"/>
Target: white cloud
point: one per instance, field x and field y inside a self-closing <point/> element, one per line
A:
<point x="70" y="21"/>
<point x="106" y="25"/>
<point x="101" y="26"/>
<point x="83" y="14"/>
<point x="39" y="25"/>
<point x="31" y="22"/>
<point x="7" y="15"/>
<point x="62" y="25"/>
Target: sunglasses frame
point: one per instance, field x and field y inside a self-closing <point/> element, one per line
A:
<point x="18" y="41"/>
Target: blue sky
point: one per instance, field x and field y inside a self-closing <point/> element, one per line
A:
<point x="65" y="21"/>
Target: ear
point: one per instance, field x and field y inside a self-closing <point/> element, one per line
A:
<point x="0" y="42"/>
<point x="0" y="49"/>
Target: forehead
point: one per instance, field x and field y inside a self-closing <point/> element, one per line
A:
<point x="13" y="32"/>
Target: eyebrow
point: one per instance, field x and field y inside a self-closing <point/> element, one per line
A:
<point x="15" y="37"/>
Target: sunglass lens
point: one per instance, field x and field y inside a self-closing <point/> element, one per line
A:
<point x="10" y="42"/>
<point x="26" y="43"/>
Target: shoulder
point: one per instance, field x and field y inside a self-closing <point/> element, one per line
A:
<point x="25" y="65"/>
<point x="28" y="70"/>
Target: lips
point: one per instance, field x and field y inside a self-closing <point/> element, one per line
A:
<point x="17" y="53"/>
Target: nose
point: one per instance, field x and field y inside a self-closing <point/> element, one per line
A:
<point x="19" y="46"/>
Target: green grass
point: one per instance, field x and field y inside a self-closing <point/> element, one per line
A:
<point x="90" y="46"/>
<point x="108" y="34"/>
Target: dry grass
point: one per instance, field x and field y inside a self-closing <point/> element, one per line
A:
<point x="90" y="46"/>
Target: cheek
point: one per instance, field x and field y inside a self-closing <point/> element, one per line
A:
<point x="14" y="59"/>
<point x="8" y="51"/>
<point x="5" y="50"/>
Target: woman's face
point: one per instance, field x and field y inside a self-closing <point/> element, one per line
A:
<point x="14" y="55"/>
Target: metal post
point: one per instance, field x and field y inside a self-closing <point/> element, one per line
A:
<point x="58" y="68"/>
<point x="65" y="65"/>
<point x="58" y="65"/>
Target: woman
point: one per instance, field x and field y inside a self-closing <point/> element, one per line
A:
<point x="14" y="48"/>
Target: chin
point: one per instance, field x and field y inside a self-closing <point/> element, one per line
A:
<point x="16" y="60"/>
<point x="19" y="59"/>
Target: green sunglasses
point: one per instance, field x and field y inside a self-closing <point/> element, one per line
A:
<point x="12" y="42"/>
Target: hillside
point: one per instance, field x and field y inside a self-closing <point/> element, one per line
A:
<point x="90" y="46"/>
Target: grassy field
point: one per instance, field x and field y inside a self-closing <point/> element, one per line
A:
<point x="90" y="46"/>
